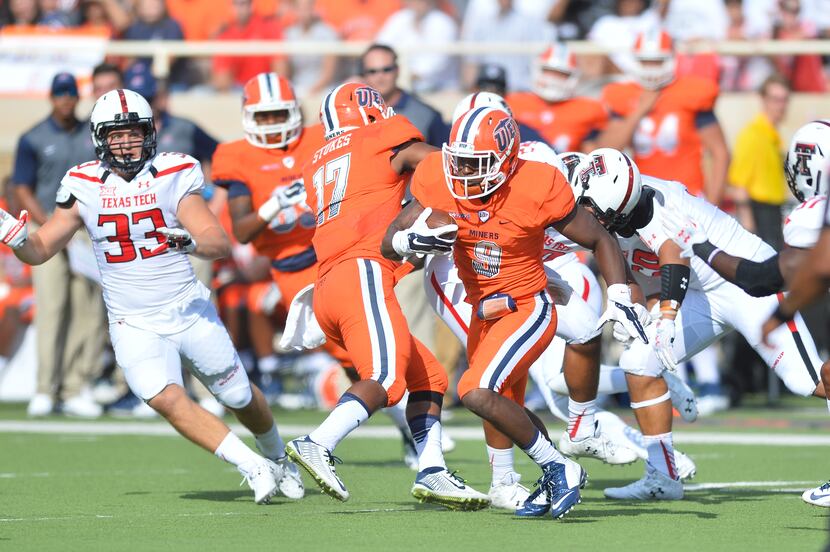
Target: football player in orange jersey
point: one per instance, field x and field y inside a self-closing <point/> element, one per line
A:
<point x="667" y="120"/>
<point x="502" y="205"/>
<point x="566" y="122"/>
<point x="356" y="183"/>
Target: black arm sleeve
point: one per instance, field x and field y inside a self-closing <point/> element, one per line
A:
<point x="759" y="279"/>
<point x="674" y="281"/>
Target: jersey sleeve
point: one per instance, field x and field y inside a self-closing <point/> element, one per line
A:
<point x="613" y="98"/>
<point x="803" y="225"/>
<point x="394" y="132"/>
<point x="702" y="94"/>
<point x="225" y="174"/>
<point x="652" y="234"/>
<point x="559" y="201"/>
<point x="421" y="180"/>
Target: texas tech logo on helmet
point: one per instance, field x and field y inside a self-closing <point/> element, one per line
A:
<point x="598" y="165"/>
<point x="803" y="153"/>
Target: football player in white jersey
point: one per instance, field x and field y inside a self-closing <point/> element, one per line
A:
<point x="144" y="212"/>
<point x="696" y="306"/>
<point x="807" y="160"/>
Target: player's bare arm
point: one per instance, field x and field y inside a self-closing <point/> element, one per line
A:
<point x="408" y="155"/>
<point x="808" y="285"/>
<point x="585" y="230"/>
<point x="246" y="224"/>
<point x="201" y="223"/>
<point x="713" y="141"/>
<point x="50" y="238"/>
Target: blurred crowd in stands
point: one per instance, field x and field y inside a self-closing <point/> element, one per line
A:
<point x="406" y="23"/>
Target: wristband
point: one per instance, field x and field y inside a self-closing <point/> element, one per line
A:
<point x="268" y="210"/>
<point x="705" y="250"/>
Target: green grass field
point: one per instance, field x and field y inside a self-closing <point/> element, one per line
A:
<point x="88" y="490"/>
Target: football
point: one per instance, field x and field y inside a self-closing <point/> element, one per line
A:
<point x="438" y="218"/>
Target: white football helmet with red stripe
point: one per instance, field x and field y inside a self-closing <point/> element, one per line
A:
<point x="270" y="92"/>
<point x="807" y="160"/>
<point x="654" y="59"/>
<point x="350" y="106"/>
<point x="480" y="99"/>
<point x="481" y="153"/>
<point x="119" y="109"/>
<point x="608" y="182"/>
<point x="554" y="74"/>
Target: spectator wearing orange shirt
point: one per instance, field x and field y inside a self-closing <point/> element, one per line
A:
<point x="235" y="71"/>
<point x="357" y="19"/>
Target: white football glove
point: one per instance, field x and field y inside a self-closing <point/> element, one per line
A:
<point x="178" y="239"/>
<point x="621" y="331"/>
<point x="419" y="239"/>
<point x="683" y="231"/>
<point x="281" y="198"/>
<point x="14" y="232"/>
<point x="663" y="343"/>
<point x="620" y="310"/>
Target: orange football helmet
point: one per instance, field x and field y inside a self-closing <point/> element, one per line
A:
<point x="270" y="92"/>
<point x="654" y="59"/>
<point x="554" y="74"/>
<point x="482" y="152"/>
<point x="350" y="106"/>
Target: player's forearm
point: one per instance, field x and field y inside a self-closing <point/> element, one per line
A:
<point x="811" y="280"/>
<point x="212" y="243"/>
<point x="610" y="260"/>
<point x="248" y="227"/>
<point x="758" y="279"/>
<point x="34" y="252"/>
<point x="386" y="247"/>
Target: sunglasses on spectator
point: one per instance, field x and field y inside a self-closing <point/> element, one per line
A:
<point x="387" y="69"/>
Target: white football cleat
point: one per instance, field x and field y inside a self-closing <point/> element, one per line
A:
<point x="40" y="405"/>
<point x="682" y="397"/>
<point x="711" y="404"/>
<point x="599" y="446"/>
<point x="686" y="468"/>
<point x="820" y="496"/>
<point x="318" y="461"/>
<point x="289" y="481"/>
<point x="654" y="485"/>
<point x="440" y="486"/>
<point x="260" y="478"/>
<point x="82" y="407"/>
<point x="508" y="493"/>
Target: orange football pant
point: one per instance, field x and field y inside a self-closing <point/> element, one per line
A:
<point x="356" y="308"/>
<point x="501" y="351"/>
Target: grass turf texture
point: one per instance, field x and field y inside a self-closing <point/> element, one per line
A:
<point x="96" y="492"/>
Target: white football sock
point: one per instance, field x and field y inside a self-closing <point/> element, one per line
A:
<point x="234" y="451"/>
<point x="581" y="419"/>
<point x="270" y="444"/>
<point x="501" y="463"/>
<point x="426" y="432"/>
<point x="349" y="413"/>
<point x="542" y="451"/>
<point x="661" y="453"/>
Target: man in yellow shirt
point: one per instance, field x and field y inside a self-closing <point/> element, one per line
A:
<point x="757" y="168"/>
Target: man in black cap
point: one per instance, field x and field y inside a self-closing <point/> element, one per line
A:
<point x="493" y="78"/>
<point x="67" y="305"/>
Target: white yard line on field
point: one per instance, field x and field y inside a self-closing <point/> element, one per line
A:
<point x="389" y="432"/>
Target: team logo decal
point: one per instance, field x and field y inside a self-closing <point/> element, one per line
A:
<point x="288" y="161"/>
<point x="804" y="153"/>
<point x="484" y="216"/>
<point x="368" y="96"/>
<point x="598" y="165"/>
<point x="504" y="133"/>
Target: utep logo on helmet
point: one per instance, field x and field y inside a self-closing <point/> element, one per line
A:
<point x="504" y="132"/>
<point x="368" y="96"/>
<point x="804" y="153"/>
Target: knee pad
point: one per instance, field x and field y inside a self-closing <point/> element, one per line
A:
<point x="236" y="398"/>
